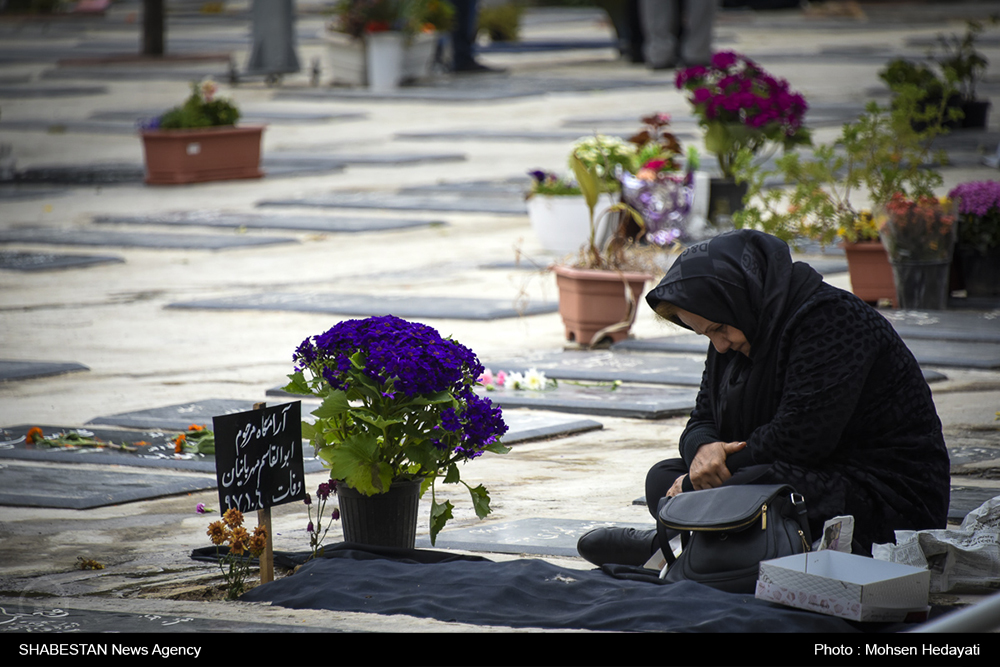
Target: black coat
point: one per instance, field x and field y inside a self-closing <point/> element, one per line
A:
<point x="830" y="398"/>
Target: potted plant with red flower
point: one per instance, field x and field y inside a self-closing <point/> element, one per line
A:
<point x="199" y="141"/>
<point x="383" y="43"/>
<point x="398" y="412"/>
<point x="741" y="107"/>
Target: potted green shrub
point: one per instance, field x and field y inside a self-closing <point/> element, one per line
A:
<point x="977" y="253"/>
<point x="841" y="191"/>
<point x="398" y="412"/>
<point x="964" y="66"/>
<point x="199" y="141"/>
<point x="599" y="290"/>
<point x="741" y="108"/>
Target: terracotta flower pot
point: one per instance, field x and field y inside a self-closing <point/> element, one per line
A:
<point x="591" y="300"/>
<point x="176" y="157"/>
<point x="870" y="271"/>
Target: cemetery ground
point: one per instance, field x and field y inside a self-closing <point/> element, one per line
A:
<point x="179" y="299"/>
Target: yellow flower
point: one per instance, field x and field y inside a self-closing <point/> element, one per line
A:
<point x="233" y="517"/>
<point x="217" y="531"/>
<point x="179" y="444"/>
<point x="259" y="541"/>
<point x="239" y="540"/>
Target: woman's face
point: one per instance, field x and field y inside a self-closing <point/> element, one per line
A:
<point x="724" y="337"/>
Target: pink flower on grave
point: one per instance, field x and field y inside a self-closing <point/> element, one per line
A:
<point x="501" y="378"/>
<point x="486" y="379"/>
<point x="208" y="89"/>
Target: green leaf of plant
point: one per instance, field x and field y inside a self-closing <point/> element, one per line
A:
<point x="440" y="513"/>
<point x="589" y="183"/>
<point x="298" y="384"/>
<point x="334" y="405"/>
<point x="480" y="500"/>
<point x="497" y="448"/>
<point x="356" y="461"/>
<point x="453" y="476"/>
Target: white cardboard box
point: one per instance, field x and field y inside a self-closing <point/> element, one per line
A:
<point x="845" y="585"/>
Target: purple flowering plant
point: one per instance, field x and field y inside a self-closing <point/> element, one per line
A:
<point x="979" y="208"/>
<point x="398" y="405"/>
<point x="323" y="493"/>
<point x="741" y="106"/>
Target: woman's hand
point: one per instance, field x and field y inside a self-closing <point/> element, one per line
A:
<point x="708" y="469"/>
<point x="675" y="488"/>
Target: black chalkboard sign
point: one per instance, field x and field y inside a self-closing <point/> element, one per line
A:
<point x="258" y="457"/>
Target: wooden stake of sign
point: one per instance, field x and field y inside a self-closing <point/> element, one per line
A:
<point x="264" y="519"/>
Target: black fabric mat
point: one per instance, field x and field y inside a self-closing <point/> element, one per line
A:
<point x="534" y="536"/>
<point x="26" y="370"/>
<point x="54" y="485"/>
<point x="125" y="239"/>
<point x="154" y="448"/>
<point x="610" y="366"/>
<point x="37" y="261"/>
<point x="630" y="401"/>
<point x="363" y="305"/>
<point x="313" y="223"/>
<point x="523" y="593"/>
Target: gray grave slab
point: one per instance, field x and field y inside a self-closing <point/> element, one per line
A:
<point x="16" y="616"/>
<point x="369" y="305"/>
<point x="26" y="370"/>
<point x="927" y="352"/>
<point x="535" y="536"/>
<point x="628" y="401"/>
<point x="85" y="174"/>
<point x="964" y="457"/>
<point x="37" y="261"/>
<point x="606" y="366"/>
<point x="313" y="223"/>
<point x="956" y="325"/>
<point x="522" y="425"/>
<point x="153" y="449"/>
<point x="13" y="191"/>
<point x="498" y="205"/>
<point x="394" y="160"/>
<point x="175" y="417"/>
<point x="964" y="499"/>
<point x="547" y="45"/>
<point x="46" y="92"/>
<point x="54" y="485"/>
<point x="127" y="239"/>
<point x="479" y="89"/>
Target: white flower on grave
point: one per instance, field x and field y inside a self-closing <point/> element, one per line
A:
<point x="515" y="381"/>
<point x="535" y="380"/>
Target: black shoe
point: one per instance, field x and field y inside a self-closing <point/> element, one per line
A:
<point x="474" y="67"/>
<point x="625" y="546"/>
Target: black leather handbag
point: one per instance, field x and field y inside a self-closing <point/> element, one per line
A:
<point x="727" y="531"/>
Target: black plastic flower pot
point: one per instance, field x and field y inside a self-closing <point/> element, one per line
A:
<point x="976" y="112"/>
<point x="385" y="520"/>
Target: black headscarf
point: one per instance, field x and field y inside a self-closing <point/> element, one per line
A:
<point x="745" y="279"/>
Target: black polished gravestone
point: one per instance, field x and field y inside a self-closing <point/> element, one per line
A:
<point x="141" y="448"/>
<point x="964" y="499"/>
<point x="310" y="223"/>
<point x="946" y="325"/>
<point x="371" y="305"/>
<point x="38" y="261"/>
<point x="126" y="239"/>
<point x="64" y="486"/>
<point x="26" y="370"/>
<point x="534" y="536"/>
<point x="930" y="353"/>
<point x="609" y="366"/>
<point x="522" y="425"/>
<point x="608" y="399"/>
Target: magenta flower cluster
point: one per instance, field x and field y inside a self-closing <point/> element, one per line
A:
<point x="734" y="89"/>
<point x="979" y="198"/>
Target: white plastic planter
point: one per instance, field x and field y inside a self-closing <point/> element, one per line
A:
<point x="562" y="222"/>
<point x="384" y="60"/>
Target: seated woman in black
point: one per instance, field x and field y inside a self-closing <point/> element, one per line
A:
<point x="804" y="384"/>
